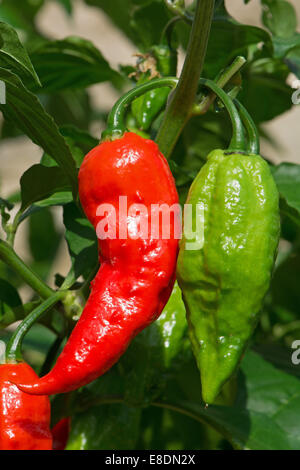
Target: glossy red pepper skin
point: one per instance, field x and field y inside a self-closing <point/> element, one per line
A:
<point x="60" y="433"/>
<point x="24" y="419"/>
<point x="136" y="277"/>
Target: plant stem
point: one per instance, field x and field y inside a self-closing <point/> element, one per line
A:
<point x="182" y="100"/>
<point x="12" y="229"/>
<point x="177" y="8"/>
<point x="116" y="120"/>
<point x="221" y="81"/>
<point x="237" y="142"/>
<point x="9" y="256"/>
<point x="14" y="347"/>
<point x="253" y="135"/>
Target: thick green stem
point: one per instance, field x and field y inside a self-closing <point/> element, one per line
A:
<point x="116" y="119"/>
<point x="182" y="100"/>
<point x="12" y="229"/>
<point x="238" y="140"/>
<point x="14" y="347"/>
<point x="253" y="135"/>
<point x="9" y="256"/>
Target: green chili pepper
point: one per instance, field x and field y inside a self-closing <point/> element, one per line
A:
<point x="146" y="108"/>
<point x="224" y="266"/>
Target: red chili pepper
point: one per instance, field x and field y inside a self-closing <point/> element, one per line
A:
<point x="60" y="433"/>
<point x="24" y="419"/>
<point x="136" y="276"/>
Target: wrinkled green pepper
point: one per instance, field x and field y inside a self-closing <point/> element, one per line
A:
<point x="146" y="108"/>
<point x="225" y="275"/>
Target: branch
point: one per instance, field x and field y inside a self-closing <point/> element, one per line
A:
<point x="182" y="99"/>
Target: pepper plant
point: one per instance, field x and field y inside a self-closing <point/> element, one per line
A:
<point x="152" y="397"/>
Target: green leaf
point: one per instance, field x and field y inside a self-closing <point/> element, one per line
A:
<point x="287" y="178"/>
<point x="24" y="109"/>
<point x="229" y="39"/>
<point x="9" y="300"/>
<point x="39" y="182"/>
<point x="154" y="353"/>
<point x="264" y="416"/>
<point x="285" y="285"/>
<point x="245" y="429"/>
<point x="72" y="107"/>
<point x="82" y="241"/>
<point x="292" y="59"/>
<point x="119" y="11"/>
<point x="57" y="199"/>
<point x="81" y="138"/>
<point x="44" y="241"/>
<point x="275" y="394"/>
<point x="21" y="18"/>
<point x="172" y="326"/>
<point x="71" y="63"/>
<point x="263" y="80"/>
<point x="148" y="22"/>
<point x="141" y="21"/>
<point x="99" y="424"/>
<point x="13" y="55"/>
<point x="279" y="17"/>
<point x="106" y="427"/>
<point x="164" y="429"/>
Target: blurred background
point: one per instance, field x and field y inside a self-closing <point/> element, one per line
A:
<point x="19" y="154"/>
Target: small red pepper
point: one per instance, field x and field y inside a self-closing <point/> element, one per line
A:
<point x="60" y="433"/>
<point x="24" y="419"/>
<point x="136" y="276"/>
